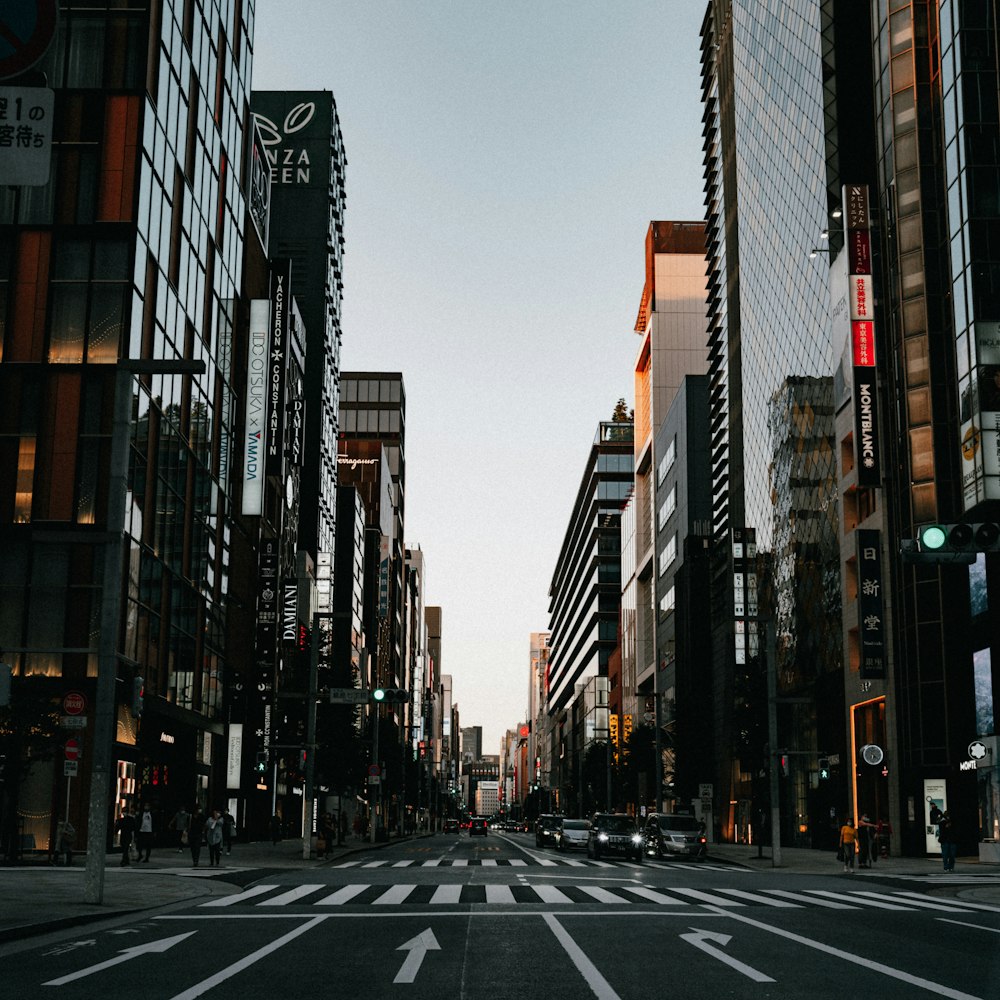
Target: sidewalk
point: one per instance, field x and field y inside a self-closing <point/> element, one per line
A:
<point x="38" y="897"/>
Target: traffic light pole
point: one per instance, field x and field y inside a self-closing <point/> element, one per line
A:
<point x="376" y="789"/>
<point x="308" y="813"/>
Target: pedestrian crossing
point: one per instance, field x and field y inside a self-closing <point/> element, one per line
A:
<point x="273" y="896"/>
<point x="540" y="862"/>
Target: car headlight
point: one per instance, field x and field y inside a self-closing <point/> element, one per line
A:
<point x="602" y="837"/>
<point x="636" y="839"/>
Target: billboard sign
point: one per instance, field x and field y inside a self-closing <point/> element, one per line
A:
<point x="281" y="279"/>
<point x="871" y="614"/>
<point x="255" y="432"/>
<point x="857" y="221"/>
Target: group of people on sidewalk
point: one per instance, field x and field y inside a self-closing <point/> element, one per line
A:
<point x="193" y="830"/>
<point x="866" y="841"/>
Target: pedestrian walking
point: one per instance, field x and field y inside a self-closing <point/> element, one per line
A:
<point x="144" y="835"/>
<point x="867" y="849"/>
<point x="179" y="824"/>
<point x="125" y="828"/>
<point x="848" y="842"/>
<point x="65" y="839"/>
<point x="196" y="833"/>
<point x="228" y="831"/>
<point x="213" y="836"/>
<point x="949" y="843"/>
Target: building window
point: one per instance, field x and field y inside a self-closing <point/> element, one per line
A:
<point x="669" y="457"/>
<point x="668" y="601"/>
<point x="667" y="508"/>
<point x="668" y="555"/>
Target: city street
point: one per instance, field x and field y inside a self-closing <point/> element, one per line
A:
<point x="476" y="917"/>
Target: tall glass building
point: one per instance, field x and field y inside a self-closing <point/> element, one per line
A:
<point x="133" y="249"/>
<point x="769" y="353"/>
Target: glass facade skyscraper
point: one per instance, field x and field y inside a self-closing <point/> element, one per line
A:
<point x="769" y="329"/>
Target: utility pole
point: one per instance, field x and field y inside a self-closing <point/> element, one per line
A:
<point x="308" y="813"/>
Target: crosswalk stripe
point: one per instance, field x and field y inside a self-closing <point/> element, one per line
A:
<point x="754" y="897"/>
<point x="459" y="863"/>
<point x="499" y="894"/>
<point x="929" y="904"/>
<point x="601" y="895"/>
<point x="965" y="903"/>
<point x="341" y="895"/>
<point x="402" y="864"/>
<point x="656" y="897"/>
<point x="707" y="897"/>
<point x="829" y="903"/>
<point x="518" y="863"/>
<point x="681" y="864"/>
<point x="447" y="894"/>
<point x="373" y="864"/>
<point x="489" y="863"/>
<point x="347" y="864"/>
<point x="550" y="894"/>
<point x="594" y="864"/>
<point x="431" y="864"/>
<point x="394" y="894"/>
<point x="580" y="864"/>
<point x="240" y="897"/>
<point x="547" y="862"/>
<point x="284" y="898"/>
<point x="856" y="899"/>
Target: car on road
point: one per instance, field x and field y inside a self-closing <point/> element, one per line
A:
<point x="672" y="833"/>
<point x="451" y="826"/>
<point x="572" y="833"/>
<point x="614" y="833"/>
<point x="545" y="829"/>
<point x="478" y="827"/>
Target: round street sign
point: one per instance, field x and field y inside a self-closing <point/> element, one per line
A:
<point x="72" y="749"/>
<point x="977" y="750"/>
<point x="74" y="703"/>
<point x="26" y="31"/>
<point x="374" y="770"/>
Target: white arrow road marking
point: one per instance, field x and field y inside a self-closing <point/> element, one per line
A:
<point x="416" y="948"/>
<point x="866" y="963"/>
<point x="700" y="940"/>
<point x="127" y="954"/>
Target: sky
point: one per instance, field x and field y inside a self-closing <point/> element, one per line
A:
<point x="504" y="163"/>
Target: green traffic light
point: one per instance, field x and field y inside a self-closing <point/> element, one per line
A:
<point x="378" y="694"/>
<point x="933" y="537"/>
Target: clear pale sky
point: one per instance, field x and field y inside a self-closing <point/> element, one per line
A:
<point x="504" y="162"/>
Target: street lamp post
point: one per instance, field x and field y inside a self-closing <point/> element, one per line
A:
<point x="107" y="668"/>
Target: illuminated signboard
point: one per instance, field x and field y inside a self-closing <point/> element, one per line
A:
<point x="862" y="317"/>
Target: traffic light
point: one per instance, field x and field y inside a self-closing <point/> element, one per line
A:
<point x="953" y="543"/>
<point x="261" y="766"/>
<point x="783" y="760"/>
<point x="824" y="768"/>
<point x="138" y="695"/>
<point x="390" y="696"/>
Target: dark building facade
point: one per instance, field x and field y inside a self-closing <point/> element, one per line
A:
<point x="131" y="250"/>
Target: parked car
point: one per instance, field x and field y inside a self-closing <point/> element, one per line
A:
<point x="451" y="826"/>
<point x="572" y="833"/>
<point x="671" y="833"/>
<point x="545" y="829"/>
<point x="614" y="833"/>
<point x="478" y="827"/>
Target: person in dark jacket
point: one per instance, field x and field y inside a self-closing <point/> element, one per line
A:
<point x="196" y="834"/>
<point x="949" y="842"/>
<point x="125" y="828"/>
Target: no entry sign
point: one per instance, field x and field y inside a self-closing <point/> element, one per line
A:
<point x="72" y="749"/>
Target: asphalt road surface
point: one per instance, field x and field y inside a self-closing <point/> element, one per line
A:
<point x="495" y="918"/>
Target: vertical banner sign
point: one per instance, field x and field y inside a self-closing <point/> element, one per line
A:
<point x="281" y="277"/>
<point x="267" y="601"/>
<point x="234" y="755"/>
<point x="862" y="307"/>
<point x="383" y="576"/>
<point x="290" y="613"/>
<point x="871" y="618"/>
<point x="613" y="734"/>
<point x="255" y="435"/>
